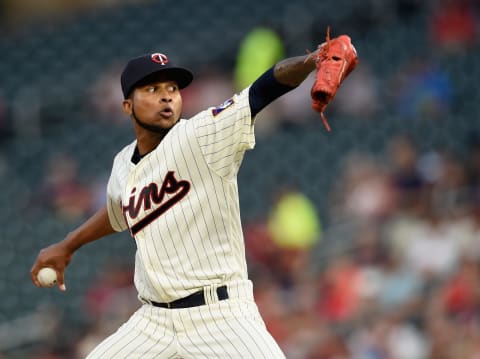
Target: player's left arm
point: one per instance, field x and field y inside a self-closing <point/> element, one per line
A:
<point x="294" y="70"/>
<point x="278" y="80"/>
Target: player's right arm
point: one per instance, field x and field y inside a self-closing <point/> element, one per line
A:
<point x="59" y="255"/>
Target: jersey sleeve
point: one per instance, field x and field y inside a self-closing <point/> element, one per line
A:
<point x="114" y="201"/>
<point x="224" y="133"/>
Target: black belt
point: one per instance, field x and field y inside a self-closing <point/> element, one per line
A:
<point x="193" y="300"/>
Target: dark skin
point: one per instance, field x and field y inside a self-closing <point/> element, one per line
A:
<point x="157" y="105"/>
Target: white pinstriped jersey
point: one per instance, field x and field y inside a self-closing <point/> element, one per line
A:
<point x="181" y="203"/>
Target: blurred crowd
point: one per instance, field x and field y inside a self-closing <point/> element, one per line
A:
<point x="390" y="271"/>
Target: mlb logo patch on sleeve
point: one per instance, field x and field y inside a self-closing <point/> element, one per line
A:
<point x="222" y="107"/>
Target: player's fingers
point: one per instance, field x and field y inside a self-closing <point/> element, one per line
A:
<point x="321" y="45"/>
<point x="33" y="276"/>
<point x="61" y="280"/>
<point x="34" y="272"/>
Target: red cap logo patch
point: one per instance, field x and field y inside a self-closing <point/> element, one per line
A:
<point x="159" y="58"/>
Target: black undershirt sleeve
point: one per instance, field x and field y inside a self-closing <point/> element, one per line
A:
<point x="264" y="90"/>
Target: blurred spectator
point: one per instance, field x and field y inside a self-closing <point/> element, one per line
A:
<point x="339" y="290"/>
<point x="268" y="295"/>
<point x="450" y="192"/>
<point x="421" y="89"/>
<point x="112" y="295"/>
<point x="313" y="339"/>
<point x="364" y="191"/>
<point x="468" y="229"/>
<point x="453" y="25"/>
<point x="330" y="346"/>
<point x="293" y="221"/>
<point x="387" y="337"/>
<point x="369" y="254"/>
<point x="460" y="294"/>
<point x="62" y="190"/>
<point x="209" y="89"/>
<point x="260" y="248"/>
<point x="294" y="227"/>
<point x="401" y="289"/>
<point x="433" y="250"/>
<point x="251" y="63"/>
<point x="359" y="95"/>
<point x="106" y="96"/>
<point x="402" y="159"/>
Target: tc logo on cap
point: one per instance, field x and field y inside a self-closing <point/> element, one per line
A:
<point x="159" y="58"/>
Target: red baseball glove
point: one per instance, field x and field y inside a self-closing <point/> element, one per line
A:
<point x="334" y="60"/>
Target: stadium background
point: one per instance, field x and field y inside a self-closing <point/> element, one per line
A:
<point x="386" y="263"/>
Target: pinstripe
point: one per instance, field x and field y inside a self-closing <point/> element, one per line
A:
<point x="236" y="164"/>
<point x="145" y="340"/>
<point x="209" y="206"/>
<point x="227" y="322"/>
<point x="199" y="335"/>
<point x="163" y="241"/>
<point x="222" y="159"/>
<point x="222" y="219"/>
<point x="207" y="327"/>
<point x="121" y="167"/>
<point x="214" y="144"/>
<point x="147" y="350"/>
<point x="196" y="194"/>
<point x="261" y="333"/>
<point x="225" y="147"/>
<point x="111" y="341"/>
<point x="189" y="233"/>
<point x="228" y="339"/>
<point x="222" y="139"/>
<point x="115" y="215"/>
<point x="219" y="205"/>
<point x="215" y="224"/>
<point x="223" y="222"/>
<point x="184" y="257"/>
<point x="214" y="152"/>
<point x="132" y="339"/>
<point x="249" y="334"/>
<point x="141" y="278"/>
<point x="158" y="239"/>
<point x="144" y="255"/>
<point x="212" y="124"/>
<point x="240" y="246"/>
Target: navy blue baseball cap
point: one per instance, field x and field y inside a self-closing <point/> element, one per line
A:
<point x="144" y="68"/>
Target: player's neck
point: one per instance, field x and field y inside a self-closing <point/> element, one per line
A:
<point x="147" y="141"/>
<point x="147" y="144"/>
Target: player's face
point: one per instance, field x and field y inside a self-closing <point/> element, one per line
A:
<point x="158" y="105"/>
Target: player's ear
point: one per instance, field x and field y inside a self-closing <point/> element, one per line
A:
<point x="127" y="106"/>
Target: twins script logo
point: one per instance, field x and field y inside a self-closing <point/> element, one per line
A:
<point x="151" y="196"/>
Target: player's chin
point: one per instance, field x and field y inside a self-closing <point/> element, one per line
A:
<point x="166" y="121"/>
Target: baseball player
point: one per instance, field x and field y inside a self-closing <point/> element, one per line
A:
<point x="175" y="189"/>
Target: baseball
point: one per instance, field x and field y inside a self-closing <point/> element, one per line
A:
<point x="47" y="277"/>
